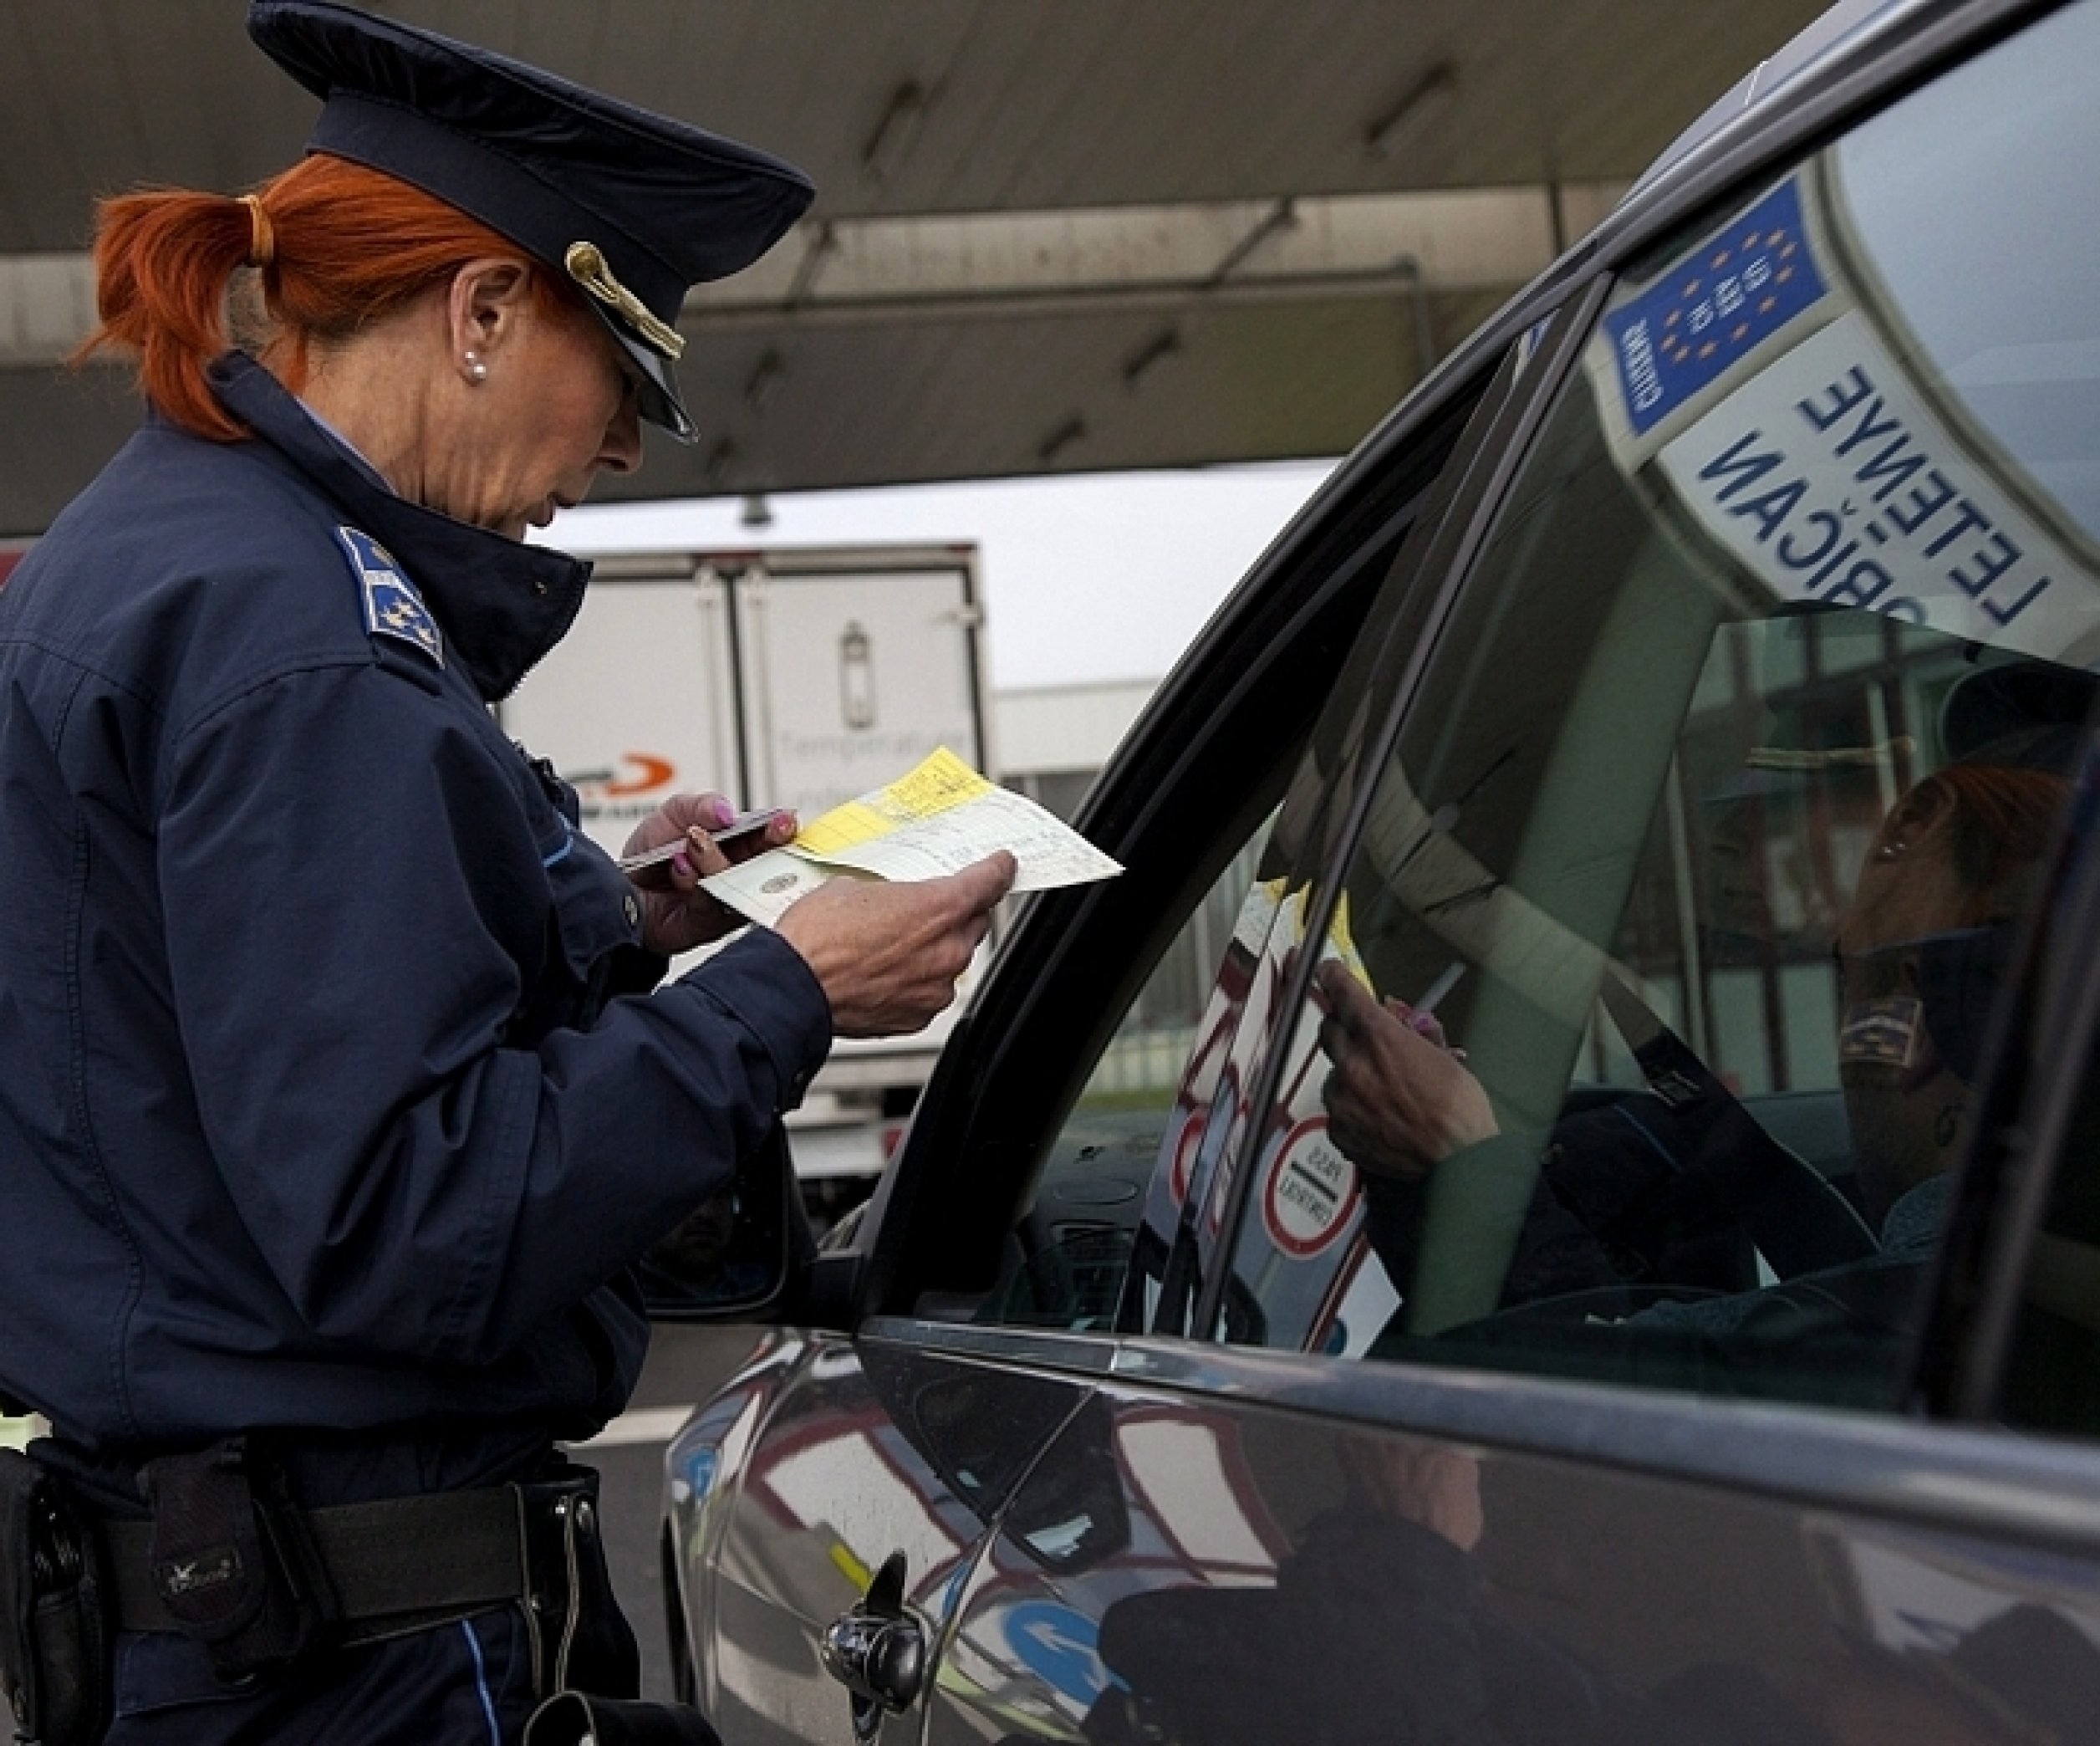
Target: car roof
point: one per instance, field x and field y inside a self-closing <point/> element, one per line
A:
<point x="1836" y="32"/>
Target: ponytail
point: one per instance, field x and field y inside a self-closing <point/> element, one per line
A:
<point x="333" y="246"/>
<point x="163" y="260"/>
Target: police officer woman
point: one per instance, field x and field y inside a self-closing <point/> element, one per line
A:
<point x="339" y="1092"/>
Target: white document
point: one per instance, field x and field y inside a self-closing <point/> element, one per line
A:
<point x="937" y="819"/>
<point x="762" y="887"/>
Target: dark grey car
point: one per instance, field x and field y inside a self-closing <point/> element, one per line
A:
<point x="1558" y="1199"/>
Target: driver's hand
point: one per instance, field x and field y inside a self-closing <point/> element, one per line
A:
<point x="1399" y="1100"/>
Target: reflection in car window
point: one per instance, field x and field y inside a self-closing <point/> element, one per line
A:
<point x="2004" y="154"/>
<point x="1127" y="1197"/>
<point x="1194" y="1181"/>
<point x="2052" y="1379"/>
<point x="1067" y="1256"/>
<point x="1655" y="991"/>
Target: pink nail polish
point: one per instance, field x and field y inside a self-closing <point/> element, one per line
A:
<point x="683" y="864"/>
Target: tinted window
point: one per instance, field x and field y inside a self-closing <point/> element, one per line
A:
<point x="1066" y="1258"/>
<point x="1657" y="984"/>
<point x="1123" y="1210"/>
<point x="2053" y="1379"/>
<point x="1193" y="1178"/>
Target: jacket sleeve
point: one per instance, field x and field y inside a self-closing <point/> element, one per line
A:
<point x="355" y="903"/>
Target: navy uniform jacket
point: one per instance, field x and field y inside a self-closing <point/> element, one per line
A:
<point x="329" y="1095"/>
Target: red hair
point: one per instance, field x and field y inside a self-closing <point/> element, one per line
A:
<point x="349" y="246"/>
<point x="2005" y="819"/>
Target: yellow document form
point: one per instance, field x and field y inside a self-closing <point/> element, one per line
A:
<point x="935" y="820"/>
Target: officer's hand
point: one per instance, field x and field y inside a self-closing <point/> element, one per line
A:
<point x="1399" y="1101"/>
<point x="889" y="955"/>
<point x="676" y="914"/>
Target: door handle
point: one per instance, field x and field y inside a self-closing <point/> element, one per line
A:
<point x="877" y="1651"/>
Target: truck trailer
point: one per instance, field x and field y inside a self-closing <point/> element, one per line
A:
<point x="792" y="677"/>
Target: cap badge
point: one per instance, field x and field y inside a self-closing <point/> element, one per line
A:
<point x="586" y="264"/>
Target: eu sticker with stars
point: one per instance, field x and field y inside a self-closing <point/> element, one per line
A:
<point x="1720" y="302"/>
<point x="392" y="606"/>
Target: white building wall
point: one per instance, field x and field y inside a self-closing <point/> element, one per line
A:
<point x="1064" y="728"/>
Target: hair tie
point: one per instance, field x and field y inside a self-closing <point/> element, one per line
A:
<point x="261" y="238"/>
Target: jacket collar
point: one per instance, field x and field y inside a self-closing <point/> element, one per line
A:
<point x="502" y="605"/>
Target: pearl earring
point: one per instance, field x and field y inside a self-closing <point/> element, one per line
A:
<point x="476" y="372"/>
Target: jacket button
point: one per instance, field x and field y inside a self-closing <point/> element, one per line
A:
<point x="632" y="904"/>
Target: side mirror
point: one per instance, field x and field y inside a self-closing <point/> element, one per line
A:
<point x="733" y="1258"/>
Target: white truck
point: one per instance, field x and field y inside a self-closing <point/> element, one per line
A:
<point x="787" y="678"/>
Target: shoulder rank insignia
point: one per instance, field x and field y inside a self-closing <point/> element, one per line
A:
<point x="392" y="606"/>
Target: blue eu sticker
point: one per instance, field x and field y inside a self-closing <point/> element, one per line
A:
<point x="392" y="606"/>
<point x="1719" y="303"/>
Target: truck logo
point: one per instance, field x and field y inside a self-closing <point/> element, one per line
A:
<point x="639" y="772"/>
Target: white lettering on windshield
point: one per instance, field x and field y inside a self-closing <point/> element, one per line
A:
<point x="1907" y="512"/>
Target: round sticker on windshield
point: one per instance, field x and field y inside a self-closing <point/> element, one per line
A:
<point x="1310" y="1193"/>
<point x="1185" y="1145"/>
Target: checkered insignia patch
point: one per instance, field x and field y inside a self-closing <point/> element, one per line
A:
<point x="392" y="606"/>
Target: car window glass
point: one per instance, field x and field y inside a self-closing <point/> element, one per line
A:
<point x="1194" y="1175"/>
<point x="1112" y="1214"/>
<point x="1189" y="1186"/>
<point x="2052" y="1377"/>
<point x="1067" y="1256"/>
<point x="2005" y="149"/>
<point x="1656" y="988"/>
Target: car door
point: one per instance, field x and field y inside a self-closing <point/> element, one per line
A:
<point x="1012" y="1211"/>
<point x="1667" y="1365"/>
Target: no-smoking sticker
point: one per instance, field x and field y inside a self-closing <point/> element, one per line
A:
<point x="1310" y="1193"/>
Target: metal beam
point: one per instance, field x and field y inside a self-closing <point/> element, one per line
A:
<point x="1003" y="264"/>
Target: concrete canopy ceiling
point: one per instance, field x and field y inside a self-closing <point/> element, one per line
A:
<point x="1049" y="234"/>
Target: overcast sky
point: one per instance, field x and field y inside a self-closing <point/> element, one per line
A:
<point x="1086" y="577"/>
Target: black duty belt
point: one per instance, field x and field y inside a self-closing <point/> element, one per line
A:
<point x="397" y="1563"/>
<point x="230" y="1562"/>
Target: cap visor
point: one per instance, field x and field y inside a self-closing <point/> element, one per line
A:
<point x="658" y="400"/>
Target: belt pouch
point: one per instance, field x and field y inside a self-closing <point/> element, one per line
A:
<point x="54" y="1638"/>
<point x="234" y="1561"/>
<point x="581" y="1641"/>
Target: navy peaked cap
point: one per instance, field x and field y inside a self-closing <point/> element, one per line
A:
<point x="634" y="207"/>
<point x="2026" y="713"/>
